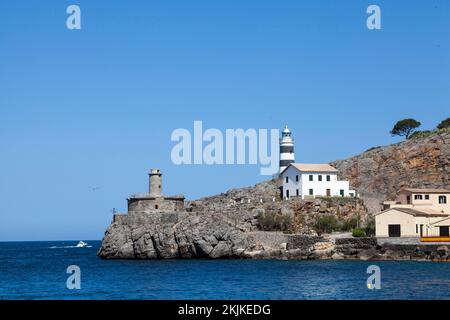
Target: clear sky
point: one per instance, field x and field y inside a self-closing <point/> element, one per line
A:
<point x="96" y="107"/>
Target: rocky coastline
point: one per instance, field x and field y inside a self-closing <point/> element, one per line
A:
<point x="189" y="236"/>
<point x="228" y="225"/>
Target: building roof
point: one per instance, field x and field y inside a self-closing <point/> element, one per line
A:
<point x="440" y="221"/>
<point x="311" y="167"/>
<point x="417" y="213"/>
<point x="417" y="190"/>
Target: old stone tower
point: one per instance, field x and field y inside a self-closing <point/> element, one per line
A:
<point x="155" y="182"/>
<point x="154" y="201"/>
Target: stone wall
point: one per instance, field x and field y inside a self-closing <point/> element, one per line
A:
<point x="302" y="241"/>
<point x="120" y="218"/>
<point x="268" y="240"/>
<point x="155" y="204"/>
<point x="144" y="218"/>
<point x="402" y="240"/>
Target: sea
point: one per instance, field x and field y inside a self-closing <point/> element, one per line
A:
<point x="39" y="270"/>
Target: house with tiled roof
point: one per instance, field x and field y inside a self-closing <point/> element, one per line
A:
<point x="306" y="180"/>
<point x="416" y="213"/>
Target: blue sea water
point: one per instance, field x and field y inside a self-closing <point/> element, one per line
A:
<point x="37" y="270"/>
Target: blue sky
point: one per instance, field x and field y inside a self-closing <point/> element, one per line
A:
<point x="97" y="106"/>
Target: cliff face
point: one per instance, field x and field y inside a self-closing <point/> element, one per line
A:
<point x="379" y="173"/>
<point x="186" y="236"/>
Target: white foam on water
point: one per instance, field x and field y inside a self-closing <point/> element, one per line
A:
<point x="67" y="247"/>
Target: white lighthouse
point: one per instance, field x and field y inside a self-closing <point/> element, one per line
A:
<point x="287" y="155"/>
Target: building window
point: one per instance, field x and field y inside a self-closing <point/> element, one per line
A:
<point x="296" y="192"/>
<point x="442" y="199"/>
<point x="320" y="177"/>
<point x="328" y="178"/>
<point x="296" y="178"/>
<point x="341" y="192"/>
<point x="311" y="192"/>
<point x="417" y="228"/>
<point x="287" y="194"/>
<point x="418" y="197"/>
<point x="287" y="179"/>
<point x="311" y="177"/>
<point x="156" y="207"/>
<point x="427" y="197"/>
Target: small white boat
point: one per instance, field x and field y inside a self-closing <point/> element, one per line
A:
<point x="82" y="244"/>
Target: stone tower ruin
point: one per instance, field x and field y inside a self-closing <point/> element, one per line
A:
<point x="154" y="201"/>
<point x="155" y="182"/>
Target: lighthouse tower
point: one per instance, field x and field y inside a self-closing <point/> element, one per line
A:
<point x="286" y="149"/>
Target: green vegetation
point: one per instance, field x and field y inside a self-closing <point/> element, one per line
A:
<point x="329" y="224"/>
<point x="338" y="200"/>
<point x="326" y="224"/>
<point x="405" y="128"/>
<point x="445" y="124"/>
<point x="422" y="134"/>
<point x="369" y="229"/>
<point x="349" y="225"/>
<point x="358" y="233"/>
<point x="269" y="221"/>
<point x="373" y="148"/>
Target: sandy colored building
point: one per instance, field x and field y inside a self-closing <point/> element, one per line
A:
<point x="416" y="213"/>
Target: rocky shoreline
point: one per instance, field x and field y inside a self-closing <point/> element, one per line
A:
<point x="191" y="236"/>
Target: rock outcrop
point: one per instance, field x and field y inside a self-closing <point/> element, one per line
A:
<point x="380" y="172"/>
<point x="187" y="235"/>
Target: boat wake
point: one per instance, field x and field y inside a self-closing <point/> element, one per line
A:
<point x="80" y="244"/>
<point x="68" y="247"/>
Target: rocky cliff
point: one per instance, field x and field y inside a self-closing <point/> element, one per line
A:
<point x="221" y="226"/>
<point x="380" y="172"/>
<point x="188" y="235"/>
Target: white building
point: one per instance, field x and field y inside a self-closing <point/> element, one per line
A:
<point x="311" y="180"/>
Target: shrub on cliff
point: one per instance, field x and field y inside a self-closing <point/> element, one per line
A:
<point x="358" y="233"/>
<point x="405" y="128"/>
<point x="326" y="224"/>
<point x="445" y="124"/>
<point x="422" y="134"/>
<point x="268" y="221"/>
<point x="350" y="224"/>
